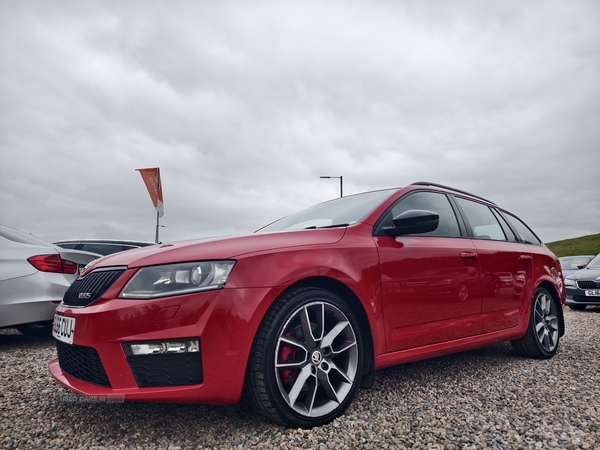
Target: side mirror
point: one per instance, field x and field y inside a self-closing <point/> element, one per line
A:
<point x="581" y="266"/>
<point x="414" y="221"/>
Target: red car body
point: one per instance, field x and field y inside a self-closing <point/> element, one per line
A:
<point x="415" y="297"/>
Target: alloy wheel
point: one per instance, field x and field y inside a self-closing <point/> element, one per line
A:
<point x="546" y="321"/>
<point x="316" y="359"/>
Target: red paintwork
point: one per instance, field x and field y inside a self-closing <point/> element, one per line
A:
<point x="425" y="281"/>
<point x="420" y="297"/>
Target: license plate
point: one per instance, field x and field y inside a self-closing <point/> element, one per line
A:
<point x="64" y="328"/>
<point x="594" y="293"/>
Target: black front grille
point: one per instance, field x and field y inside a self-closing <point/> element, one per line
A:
<point x="90" y="287"/>
<point x="160" y="370"/>
<point x="585" y="284"/>
<point x="82" y="363"/>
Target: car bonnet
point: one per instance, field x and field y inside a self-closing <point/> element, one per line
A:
<point x="586" y="274"/>
<point x="219" y="247"/>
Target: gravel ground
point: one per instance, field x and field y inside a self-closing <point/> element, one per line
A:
<point x="487" y="398"/>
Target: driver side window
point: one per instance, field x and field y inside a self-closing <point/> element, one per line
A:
<point x="429" y="201"/>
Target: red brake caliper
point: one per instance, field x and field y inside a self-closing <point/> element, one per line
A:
<point x="287" y="353"/>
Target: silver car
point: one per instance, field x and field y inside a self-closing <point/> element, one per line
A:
<point x="34" y="276"/>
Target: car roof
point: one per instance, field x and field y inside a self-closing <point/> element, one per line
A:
<point x="428" y="183"/>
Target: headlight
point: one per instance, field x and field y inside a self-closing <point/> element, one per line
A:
<point x="177" y="279"/>
<point x="570" y="282"/>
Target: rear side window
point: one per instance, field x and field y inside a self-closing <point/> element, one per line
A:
<point x="482" y="220"/>
<point x="507" y="231"/>
<point x="429" y="201"/>
<point x="523" y="230"/>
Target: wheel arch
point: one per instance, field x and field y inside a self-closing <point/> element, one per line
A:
<point x="348" y="295"/>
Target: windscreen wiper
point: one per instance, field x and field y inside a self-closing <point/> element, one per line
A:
<point x="337" y="225"/>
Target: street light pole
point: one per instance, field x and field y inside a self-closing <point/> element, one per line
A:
<point x="341" y="184"/>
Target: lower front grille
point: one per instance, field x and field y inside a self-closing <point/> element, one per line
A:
<point x="585" y="299"/>
<point x="82" y="363"/>
<point x="183" y="369"/>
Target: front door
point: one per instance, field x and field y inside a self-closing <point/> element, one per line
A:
<point x="430" y="283"/>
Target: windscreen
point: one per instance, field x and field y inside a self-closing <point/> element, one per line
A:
<point x="343" y="211"/>
<point x="594" y="263"/>
<point x="573" y="262"/>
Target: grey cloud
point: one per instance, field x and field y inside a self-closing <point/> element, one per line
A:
<point x="244" y="105"/>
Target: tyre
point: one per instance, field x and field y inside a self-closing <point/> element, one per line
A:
<point x="542" y="336"/>
<point x="577" y="307"/>
<point x="35" y="329"/>
<point x="306" y="361"/>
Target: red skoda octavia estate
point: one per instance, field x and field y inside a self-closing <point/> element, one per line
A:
<point x="302" y="313"/>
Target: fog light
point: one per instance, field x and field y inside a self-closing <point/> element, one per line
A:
<point x="162" y="347"/>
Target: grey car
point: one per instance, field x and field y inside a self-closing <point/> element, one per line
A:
<point x="583" y="286"/>
<point x="34" y="276"/>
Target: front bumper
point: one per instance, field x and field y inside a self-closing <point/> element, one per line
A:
<point x="224" y="321"/>
<point x="577" y="296"/>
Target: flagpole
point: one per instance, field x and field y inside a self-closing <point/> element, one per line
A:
<point x="151" y="178"/>
<point x="157" y="225"/>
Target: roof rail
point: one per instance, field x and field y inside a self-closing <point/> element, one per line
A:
<point x="427" y="183"/>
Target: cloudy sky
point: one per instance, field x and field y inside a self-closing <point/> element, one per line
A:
<point x="244" y="105"/>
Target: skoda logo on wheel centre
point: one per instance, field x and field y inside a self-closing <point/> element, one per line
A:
<point x="316" y="357"/>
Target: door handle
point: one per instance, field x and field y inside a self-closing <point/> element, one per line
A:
<point x="469" y="256"/>
<point x="525" y="258"/>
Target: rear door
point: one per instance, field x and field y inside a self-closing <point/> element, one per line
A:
<point x="505" y="264"/>
<point x="430" y="282"/>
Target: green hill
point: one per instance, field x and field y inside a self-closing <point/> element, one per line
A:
<point x="584" y="245"/>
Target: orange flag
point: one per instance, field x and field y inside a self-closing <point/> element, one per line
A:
<point x="151" y="179"/>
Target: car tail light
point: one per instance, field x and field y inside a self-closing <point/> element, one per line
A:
<point x="52" y="263"/>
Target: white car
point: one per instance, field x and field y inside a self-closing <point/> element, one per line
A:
<point x="34" y="276"/>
